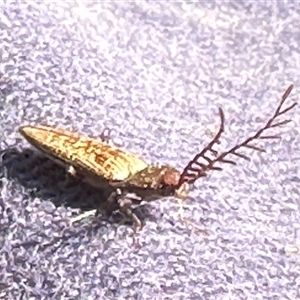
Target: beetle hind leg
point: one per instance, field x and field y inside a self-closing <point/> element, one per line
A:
<point x="107" y="207"/>
<point x="84" y="215"/>
<point x="113" y="203"/>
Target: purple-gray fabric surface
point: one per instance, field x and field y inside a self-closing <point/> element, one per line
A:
<point x="155" y="73"/>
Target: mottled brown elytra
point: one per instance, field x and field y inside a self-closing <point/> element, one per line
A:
<point x="121" y="173"/>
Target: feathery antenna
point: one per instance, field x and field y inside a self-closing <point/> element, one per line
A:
<point x="196" y="169"/>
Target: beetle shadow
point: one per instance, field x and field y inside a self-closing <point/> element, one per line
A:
<point x="48" y="181"/>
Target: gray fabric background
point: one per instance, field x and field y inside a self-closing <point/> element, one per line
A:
<point x="155" y="73"/>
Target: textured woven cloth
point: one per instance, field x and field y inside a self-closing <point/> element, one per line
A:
<point x="154" y="73"/>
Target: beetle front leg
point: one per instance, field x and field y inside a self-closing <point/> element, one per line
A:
<point x="125" y="208"/>
<point x="186" y="221"/>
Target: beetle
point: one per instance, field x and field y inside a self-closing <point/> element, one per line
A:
<point x="120" y="173"/>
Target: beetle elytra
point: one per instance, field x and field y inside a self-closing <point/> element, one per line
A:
<point x="121" y="173"/>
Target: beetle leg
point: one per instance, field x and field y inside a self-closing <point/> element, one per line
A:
<point x="95" y="212"/>
<point x="108" y="207"/>
<point x="180" y="211"/>
<point x="188" y="222"/>
<point x="110" y="204"/>
<point x="125" y="208"/>
<point x="105" y="135"/>
<point x="71" y="171"/>
<point x="84" y="215"/>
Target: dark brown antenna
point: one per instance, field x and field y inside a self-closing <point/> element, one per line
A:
<point x="196" y="169"/>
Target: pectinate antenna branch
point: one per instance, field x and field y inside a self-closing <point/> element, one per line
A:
<point x="191" y="173"/>
<point x="196" y="173"/>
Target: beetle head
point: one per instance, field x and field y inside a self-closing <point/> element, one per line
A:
<point x="170" y="179"/>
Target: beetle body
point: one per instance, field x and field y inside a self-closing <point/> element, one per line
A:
<point x="104" y="166"/>
<point x="107" y="167"/>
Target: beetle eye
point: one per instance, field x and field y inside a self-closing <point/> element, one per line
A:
<point x="171" y="177"/>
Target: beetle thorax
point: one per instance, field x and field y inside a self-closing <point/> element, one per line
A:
<point x="155" y="182"/>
